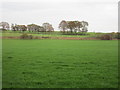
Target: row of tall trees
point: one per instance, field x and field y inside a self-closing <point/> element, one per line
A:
<point x="64" y="26"/>
<point x="18" y="27"/>
<point x="46" y="27"/>
<point x="73" y="26"/>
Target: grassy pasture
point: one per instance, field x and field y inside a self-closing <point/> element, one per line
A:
<point x="60" y="63"/>
<point x="45" y="34"/>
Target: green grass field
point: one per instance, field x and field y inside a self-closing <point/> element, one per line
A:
<point x="60" y="63"/>
<point x="46" y="34"/>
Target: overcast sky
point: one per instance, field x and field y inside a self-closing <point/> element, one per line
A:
<point x="102" y="15"/>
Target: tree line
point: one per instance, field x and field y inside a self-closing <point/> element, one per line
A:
<point x="64" y="26"/>
<point x="73" y="26"/>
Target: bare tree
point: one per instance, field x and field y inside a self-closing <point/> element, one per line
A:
<point x="5" y="25"/>
<point x="35" y="28"/>
<point x="13" y="27"/>
<point x="78" y="26"/>
<point x="22" y="28"/>
<point x="32" y="27"/>
<point x="48" y="27"/>
<point x="84" y="26"/>
<point x="63" y="25"/>
<point x="71" y="25"/>
<point x="18" y="27"/>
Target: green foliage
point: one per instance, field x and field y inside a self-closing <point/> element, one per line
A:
<point x="48" y="34"/>
<point x="117" y="35"/>
<point x="60" y="34"/>
<point x="36" y="37"/>
<point x="74" y="33"/>
<point x="60" y="64"/>
<point x="106" y="37"/>
<point x="26" y="36"/>
<point x="3" y="29"/>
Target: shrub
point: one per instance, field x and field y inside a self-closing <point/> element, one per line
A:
<point x="106" y="37"/>
<point x="26" y="36"/>
<point x="36" y="37"/>
<point x="117" y="35"/>
<point x="45" y="37"/>
<point x="30" y="37"/>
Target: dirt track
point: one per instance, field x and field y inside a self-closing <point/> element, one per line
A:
<point x="61" y="38"/>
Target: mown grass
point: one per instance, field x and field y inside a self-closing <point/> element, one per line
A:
<point x="60" y="64"/>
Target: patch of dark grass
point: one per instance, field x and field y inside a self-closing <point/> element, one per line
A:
<point x="62" y="83"/>
<point x="38" y="83"/>
<point x="59" y="68"/>
<point x="38" y="61"/>
<point x="28" y="73"/>
<point x="10" y="57"/>
<point x="70" y="68"/>
<point x="56" y="62"/>
<point x="64" y="65"/>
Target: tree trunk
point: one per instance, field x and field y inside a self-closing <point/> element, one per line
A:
<point x="71" y="30"/>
